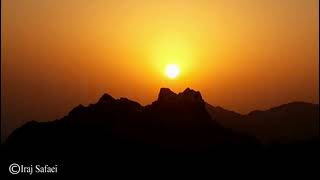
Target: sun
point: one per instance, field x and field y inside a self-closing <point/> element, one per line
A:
<point x="172" y="71"/>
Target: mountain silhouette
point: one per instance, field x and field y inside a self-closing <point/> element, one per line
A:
<point x="173" y="123"/>
<point x="289" y="123"/>
<point x="181" y="122"/>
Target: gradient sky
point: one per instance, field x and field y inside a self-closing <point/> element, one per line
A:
<point x="240" y="54"/>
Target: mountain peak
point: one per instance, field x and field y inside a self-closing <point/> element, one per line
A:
<point x="191" y="95"/>
<point x="188" y="95"/>
<point x="188" y="90"/>
<point x="166" y="93"/>
<point x="105" y="98"/>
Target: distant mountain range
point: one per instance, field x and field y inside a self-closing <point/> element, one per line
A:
<point x="289" y="123"/>
<point x="181" y="122"/>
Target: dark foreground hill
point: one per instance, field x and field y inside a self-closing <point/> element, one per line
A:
<point x="173" y="123"/>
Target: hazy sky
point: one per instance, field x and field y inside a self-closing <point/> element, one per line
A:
<point x="240" y="54"/>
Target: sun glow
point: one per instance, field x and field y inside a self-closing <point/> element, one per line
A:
<point x="172" y="71"/>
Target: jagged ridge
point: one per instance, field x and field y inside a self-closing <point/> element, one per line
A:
<point x="174" y="122"/>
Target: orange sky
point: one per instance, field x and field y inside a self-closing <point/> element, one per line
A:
<point x="241" y="54"/>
